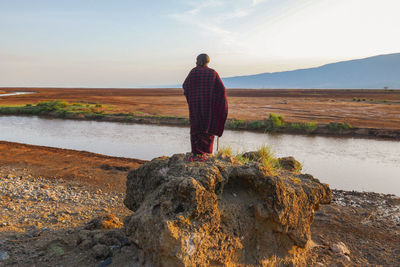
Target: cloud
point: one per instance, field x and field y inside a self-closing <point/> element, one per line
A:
<point x="256" y="2"/>
<point x="199" y="5"/>
<point x="212" y="15"/>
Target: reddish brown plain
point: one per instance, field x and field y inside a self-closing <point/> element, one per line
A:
<point x="360" y="108"/>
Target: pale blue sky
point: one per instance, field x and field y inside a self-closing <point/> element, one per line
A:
<point x="121" y="43"/>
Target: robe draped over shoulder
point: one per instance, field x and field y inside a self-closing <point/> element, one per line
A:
<point x="206" y="97"/>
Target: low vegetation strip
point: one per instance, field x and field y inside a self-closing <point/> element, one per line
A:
<point x="65" y="110"/>
<point x="274" y="123"/>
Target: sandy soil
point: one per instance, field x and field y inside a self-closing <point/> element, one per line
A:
<point x="97" y="170"/>
<point x="48" y="196"/>
<point x="360" y="108"/>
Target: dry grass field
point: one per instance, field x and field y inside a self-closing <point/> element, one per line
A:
<point x="360" y="108"/>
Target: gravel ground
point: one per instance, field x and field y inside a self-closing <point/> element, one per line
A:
<point x="27" y="201"/>
<point x="383" y="208"/>
<point x="365" y="224"/>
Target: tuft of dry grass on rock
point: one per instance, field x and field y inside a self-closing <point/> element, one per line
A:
<point x="263" y="154"/>
<point x="268" y="159"/>
<point x="224" y="151"/>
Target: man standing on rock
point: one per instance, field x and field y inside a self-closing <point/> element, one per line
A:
<point x="208" y="107"/>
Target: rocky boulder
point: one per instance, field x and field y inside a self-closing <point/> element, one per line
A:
<point x="221" y="212"/>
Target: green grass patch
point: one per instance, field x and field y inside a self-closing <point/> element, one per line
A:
<point x="138" y="113"/>
<point x="94" y="116"/>
<point x="308" y="127"/>
<point x="160" y="116"/>
<point x="235" y="124"/>
<point x="255" y="125"/>
<point x="129" y="118"/>
<point x="338" y="126"/>
<point x="275" y="122"/>
<point x="12" y="105"/>
<point x="59" y="108"/>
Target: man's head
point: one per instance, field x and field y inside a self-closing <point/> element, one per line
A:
<point x="202" y="60"/>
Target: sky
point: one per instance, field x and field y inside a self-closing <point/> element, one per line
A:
<point x="136" y="43"/>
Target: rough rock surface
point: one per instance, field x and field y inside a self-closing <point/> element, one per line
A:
<point x="221" y="211"/>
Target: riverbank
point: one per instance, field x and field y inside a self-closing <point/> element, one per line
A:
<point x="273" y="124"/>
<point x="51" y="163"/>
<point x="369" y="113"/>
<point x="49" y="196"/>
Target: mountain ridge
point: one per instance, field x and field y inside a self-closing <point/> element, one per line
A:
<point x="367" y="73"/>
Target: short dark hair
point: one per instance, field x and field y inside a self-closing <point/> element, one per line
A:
<point x="202" y="59"/>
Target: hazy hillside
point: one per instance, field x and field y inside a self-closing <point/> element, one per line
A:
<point x="372" y="72"/>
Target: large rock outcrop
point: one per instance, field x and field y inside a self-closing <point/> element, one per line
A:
<point x="221" y="212"/>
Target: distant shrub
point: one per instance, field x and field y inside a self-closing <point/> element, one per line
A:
<point x="6" y="110"/>
<point x="129" y="118"/>
<point x="62" y="113"/>
<point x="336" y="127"/>
<point x="166" y="116"/>
<point x="138" y="113"/>
<point x="121" y="114"/>
<point x="303" y="126"/>
<point x="275" y="122"/>
<point x="235" y="124"/>
<point x="186" y="121"/>
<point x="40" y="108"/>
<point x="257" y="125"/>
<point x="47" y="107"/>
<point x="58" y="108"/>
<point x="94" y="116"/>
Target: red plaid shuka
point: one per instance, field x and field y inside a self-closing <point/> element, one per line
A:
<point x="206" y="96"/>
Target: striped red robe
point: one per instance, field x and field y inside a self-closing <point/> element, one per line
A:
<point x="206" y="97"/>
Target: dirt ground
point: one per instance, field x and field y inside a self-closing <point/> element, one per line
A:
<point x="108" y="173"/>
<point x="360" y="108"/>
<point x="50" y="194"/>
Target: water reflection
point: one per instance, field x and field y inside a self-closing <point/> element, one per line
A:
<point x="17" y="93"/>
<point x="345" y="163"/>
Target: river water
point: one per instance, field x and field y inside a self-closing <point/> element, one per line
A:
<point x="344" y="163"/>
<point x="17" y="93"/>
